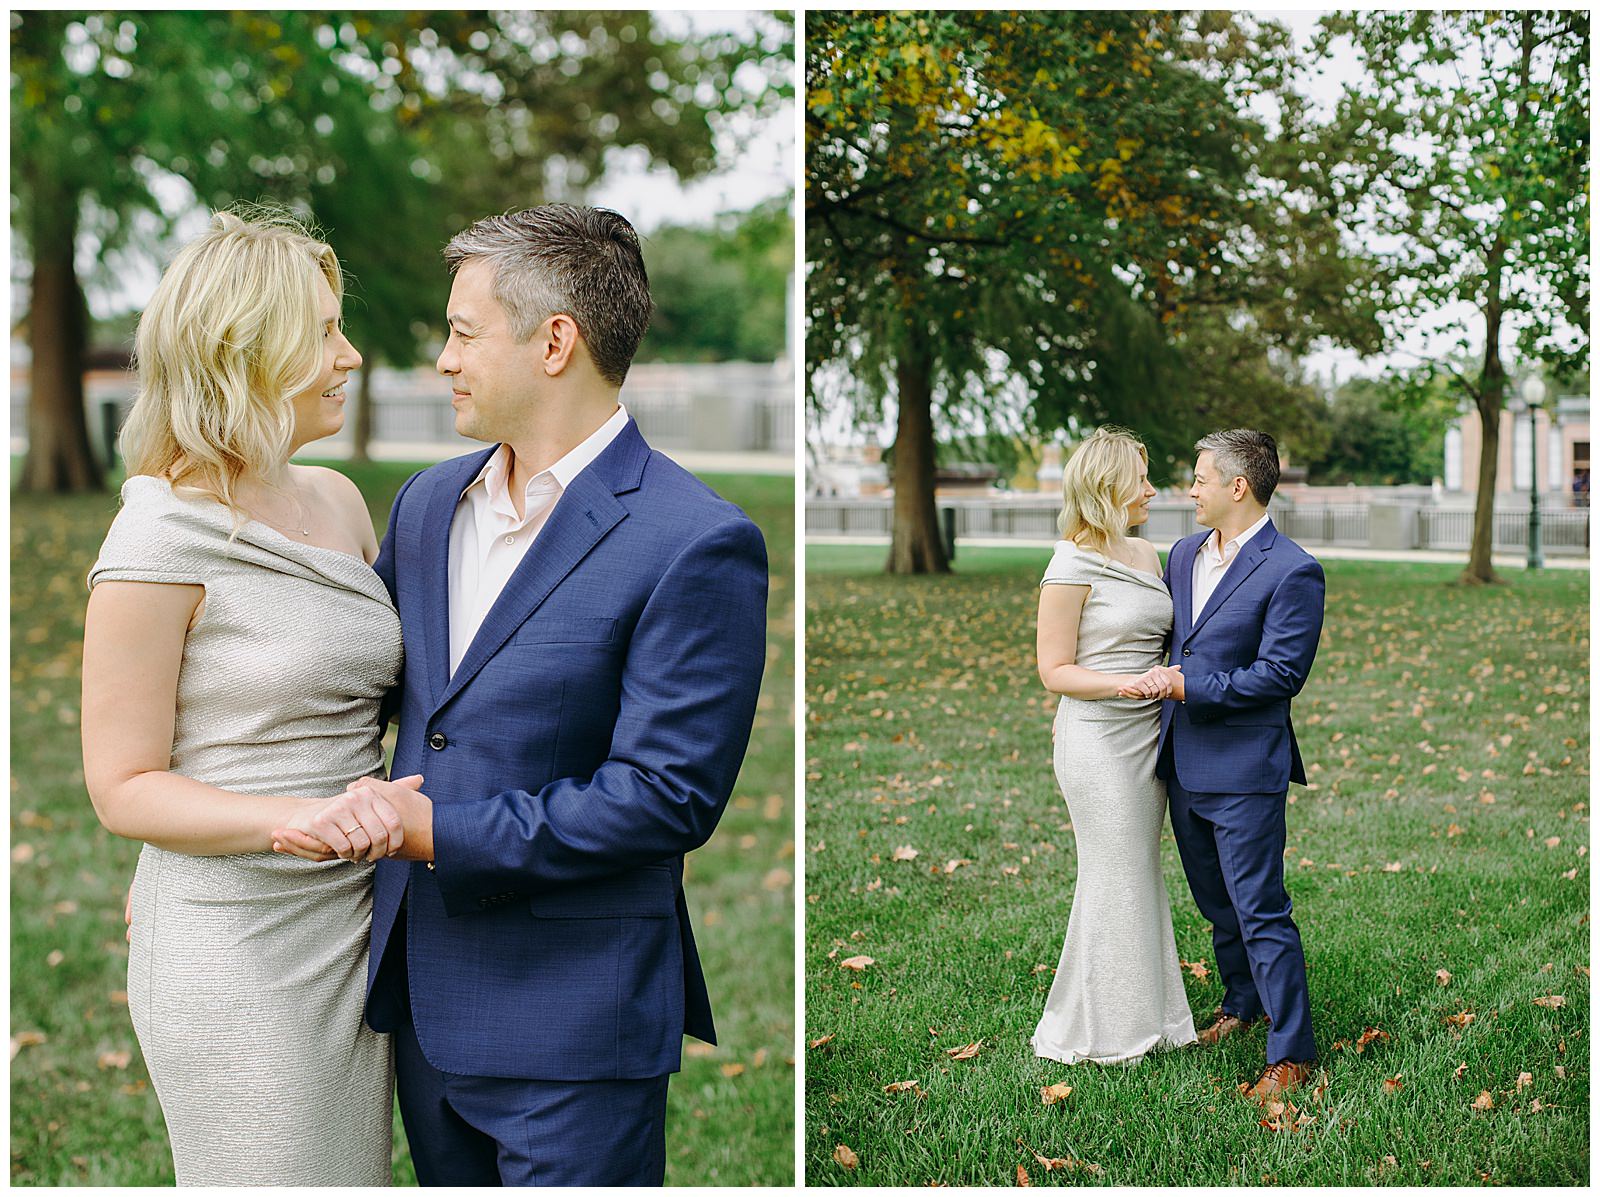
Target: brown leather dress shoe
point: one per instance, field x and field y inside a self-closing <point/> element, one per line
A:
<point x="1278" y="1079"/>
<point x="1222" y="1024"/>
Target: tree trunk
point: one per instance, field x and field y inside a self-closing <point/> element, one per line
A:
<point x="1490" y="400"/>
<point x="59" y="459"/>
<point x="361" y="444"/>
<point x="915" y="546"/>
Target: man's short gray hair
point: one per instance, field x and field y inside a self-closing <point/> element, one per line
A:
<point x="584" y="262"/>
<point x="1244" y="453"/>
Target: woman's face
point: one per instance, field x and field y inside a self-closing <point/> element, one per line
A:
<point x="1139" y="510"/>
<point x="319" y="409"/>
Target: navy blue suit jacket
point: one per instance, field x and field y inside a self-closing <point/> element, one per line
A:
<point x="1244" y="657"/>
<point x="589" y="738"/>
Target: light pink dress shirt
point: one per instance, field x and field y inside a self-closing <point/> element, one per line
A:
<point x="1211" y="562"/>
<point x="488" y="540"/>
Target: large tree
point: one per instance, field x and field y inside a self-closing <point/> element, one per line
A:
<point x="1467" y="140"/>
<point x="1053" y="219"/>
<point x="390" y="130"/>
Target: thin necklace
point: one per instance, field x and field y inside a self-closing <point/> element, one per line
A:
<point x="293" y="525"/>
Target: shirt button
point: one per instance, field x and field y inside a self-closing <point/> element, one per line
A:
<point x="511" y="540"/>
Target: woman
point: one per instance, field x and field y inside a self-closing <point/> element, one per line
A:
<point x="1104" y="615"/>
<point x="236" y="647"/>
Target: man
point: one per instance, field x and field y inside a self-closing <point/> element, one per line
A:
<point x="1247" y="612"/>
<point x="584" y="626"/>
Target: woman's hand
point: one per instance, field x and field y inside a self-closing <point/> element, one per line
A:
<point x="355" y="825"/>
<point x="1155" y="683"/>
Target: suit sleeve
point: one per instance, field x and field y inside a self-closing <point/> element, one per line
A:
<point x="688" y="699"/>
<point x="1288" y="646"/>
<point x="384" y="568"/>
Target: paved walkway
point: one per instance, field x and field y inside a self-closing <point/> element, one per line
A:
<point x="1321" y="552"/>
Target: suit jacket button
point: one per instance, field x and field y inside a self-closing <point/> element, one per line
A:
<point x="437" y="741"/>
<point x="1185" y="653"/>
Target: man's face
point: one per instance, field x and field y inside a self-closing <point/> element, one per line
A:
<point x="494" y="381"/>
<point x="1212" y="494"/>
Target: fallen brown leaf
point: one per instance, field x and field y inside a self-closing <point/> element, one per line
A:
<point x="826" y="1039"/>
<point x="900" y="1086"/>
<point x="24" y="1039"/>
<point x="1442" y="976"/>
<point x="732" y="1070"/>
<point x="1054" y="1093"/>
<point x="1524" y="1079"/>
<point x="964" y="1052"/>
<point x="1464" y="1019"/>
<point x="1368" y="1036"/>
<point x="905" y="852"/>
<point x="1022" y="1178"/>
<point x="115" y="1059"/>
<point x="1483" y="1101"/>
<point x="1195" y="968"/>
<point x="844" y="1157"/>
<point x="1461" y="1071"/>
<point x="950" y="866"/>
<point x="1551" y="1001"/>
<point x="1393" y="1084"/>
<point x="857" y="963"/>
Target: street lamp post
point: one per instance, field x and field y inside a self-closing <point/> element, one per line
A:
<point x="1533" y="395"/>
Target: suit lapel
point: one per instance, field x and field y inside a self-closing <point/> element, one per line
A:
<point x="1250" y="556"/>
<point x="436" y="521"/>
<point x="1182" y="570"/>
<point x="586" y="511"/>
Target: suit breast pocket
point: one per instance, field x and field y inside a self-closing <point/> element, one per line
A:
<point x="567" y="630"/>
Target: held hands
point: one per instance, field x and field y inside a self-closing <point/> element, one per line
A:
<point x="1162" y="681"/>
<point x="360" y="824"/>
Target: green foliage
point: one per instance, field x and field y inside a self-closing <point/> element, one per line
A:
<point x="392" y="130"/>
<point x="1467" y="141"/>
<point x="1070" y="213"/>
<point x="82" y="1111"/>
<point x="721" y="293"/>
<point x="1447" y="734"/>
<point x="1385" y="431"/>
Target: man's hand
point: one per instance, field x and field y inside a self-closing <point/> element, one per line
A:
<point x="355" y="825"/>
<point x="1161" y="681"/>
<point x="405" y="797"/>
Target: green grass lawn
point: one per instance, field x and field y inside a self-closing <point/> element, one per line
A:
<point x="1446" y="731"/>
<point x="82" y="1111"/>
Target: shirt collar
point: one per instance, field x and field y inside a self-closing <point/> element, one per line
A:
<point x="1238" y="542"/>
<point x="495" y="473"/>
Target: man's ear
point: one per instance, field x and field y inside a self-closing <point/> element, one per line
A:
<point x="561" y="343"/>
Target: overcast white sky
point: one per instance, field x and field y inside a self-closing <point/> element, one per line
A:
<point x="765" y="167"/>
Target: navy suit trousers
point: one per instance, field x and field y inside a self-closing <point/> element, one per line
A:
<point x="1231" y="846"/>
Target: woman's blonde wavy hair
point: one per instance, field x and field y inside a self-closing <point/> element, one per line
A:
<point x="1098" y="485"/>
<point x="230" y="337"/>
